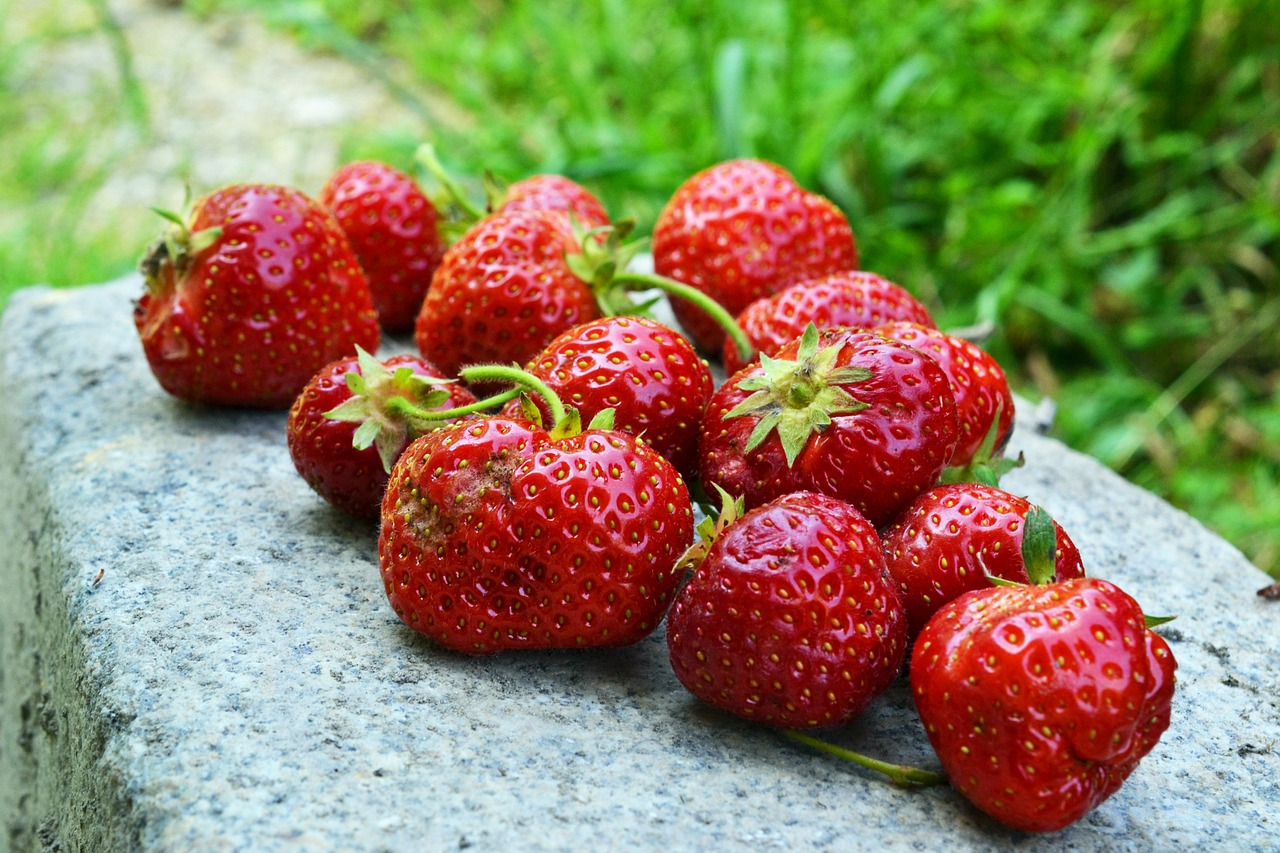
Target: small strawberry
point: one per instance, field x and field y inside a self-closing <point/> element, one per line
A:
<point x="854" y="299"/>
<point x="393" y="230"/>
<point x="741" y="230"/>
<point x="842" y="412"/>
<point x="345" y="432"/>
<point x="791" y="618"/>
<point x="252" y="296"/>
<point x="984" y="402"/>
<point x="497" y="534"/>
<point x="656" y="384"/>
<point x="953" y="538"/>
<point x="1041" y="700"/>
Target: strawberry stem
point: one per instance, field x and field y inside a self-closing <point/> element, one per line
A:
<point x="423" y="417"/>
<point x="901" y="774"/>
<point x="523" y="380"/>
<point x="645" y="281"/>
<point x="426" y="157"/>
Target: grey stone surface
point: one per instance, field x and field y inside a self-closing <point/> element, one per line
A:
<point x="197" y="655"/>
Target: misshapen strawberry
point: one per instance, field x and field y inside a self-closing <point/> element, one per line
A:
<point x="497" y="534"/>
<point x="741" y="230"/>
<point x="1041" y="700"/>
<point x="345" y="432"/>
<point x="841" y="412"/>
<point x="394" y="231"/>
<point x="791" y="618"/>
<point x="952" y="537"/>
<point x="656" y="384"/>
<point x="250" y="298"/>
<point x="854" y="299"/>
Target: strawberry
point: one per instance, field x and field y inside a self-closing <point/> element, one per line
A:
<point x="344" y="433"/>
<point x="791" y="618"/>
<point x="553" y="192"/>
<point x="741" y="230"/>
<point x="843" y="412"/>
<point x="252" y="296"/>
<point x="647" y="373"/>
<point x="855" y="299"/>
<point x="952" y="537"/>
<point x="1041" y="700"/>
<point x="497" y="534"/>
<point x="394" y="231"/>
<point x="984" y="402"/>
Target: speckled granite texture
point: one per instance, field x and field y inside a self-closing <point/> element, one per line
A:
<point x="196" y="654"/>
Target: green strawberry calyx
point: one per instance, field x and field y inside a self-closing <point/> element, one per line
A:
<point x="798" y="398"/>
<point x="174" y="251"/>
<point x="393" y="407"/>
<point x="710" y="529"/>
<point x="901" y="774"/>
<point x="988" y="464"/>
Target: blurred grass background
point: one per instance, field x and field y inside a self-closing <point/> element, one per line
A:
<point x="1099" y="179"/>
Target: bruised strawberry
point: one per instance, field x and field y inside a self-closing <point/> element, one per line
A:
<point x="497" y="534"/>
<point x="250" y="298"/>
<point x="741" y="230"/>
<point x="1041" y="700"/>
<point x="393" y="230"/>
<point x="344" y="434"/>
<point x="854" y="299"/>
<point x="656" y="384"/>
<point x="984" y="402"/>
<point x="791" y="618"/>
<point x="842" y="412"/>
<point x="952" y="537"/>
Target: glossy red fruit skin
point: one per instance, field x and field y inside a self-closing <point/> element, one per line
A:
<point x="648" y="373"/>
<point x="250" y="319"/>
<point x="1041" y="700"/>
<point x="556" y="192"/>
<point x="495" y="536"/>
<point x="503" y="292"/>
<point x="855" y="299"/>
<point x="393" y="229"/>
<point x="877" y="459"/>
<point x="951" y="537"/>
<point x="741" y="230"/>
<point x="792" y="619"/>
<point x="977" y="382"/>
<point x="351" y="480"/>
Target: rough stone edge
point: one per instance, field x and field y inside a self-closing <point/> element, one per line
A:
<point x="57" y="789"/>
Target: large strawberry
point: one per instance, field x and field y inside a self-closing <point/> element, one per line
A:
<point x="855" y="299"/>
<point x="1041" y="700"/>
<point x="843" y="412"/>
<point x="498" y="534"/>
<point x="791" y="618"/>
<point x="953" y="537"/>
<point x="250" y="298"/>
<point x="393" y="230"/>
<point x="355" y="418"/>
<point x="741" y="230"/>
<point x="984" y="402"/>
<point x="649" y="374"/>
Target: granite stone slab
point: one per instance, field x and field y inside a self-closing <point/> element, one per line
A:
<point x="196" y="655"/>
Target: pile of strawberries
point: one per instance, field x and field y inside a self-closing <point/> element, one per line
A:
<point x="536" y="466"/>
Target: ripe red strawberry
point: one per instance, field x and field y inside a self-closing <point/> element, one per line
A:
<point x="791" y="619"/>
<point x="952" y="537"/>
<point x="859" y="300"/>
<point x="554" y="192"/>
<point x="246" y="302"/>
<point x="843" y="412"/>
<point x="1041" y="700"/>
<point x="393" y="230"/>
<point x="503" y="292"/>
<point x="983" y="399"/>
<point x="344" y="436"/>
<point x="741" y="230"/>
<point x="646" y="372"/>
<point x="497" y="534"/>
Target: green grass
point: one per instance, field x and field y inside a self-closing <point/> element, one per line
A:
<point x="1101" y="180"/>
